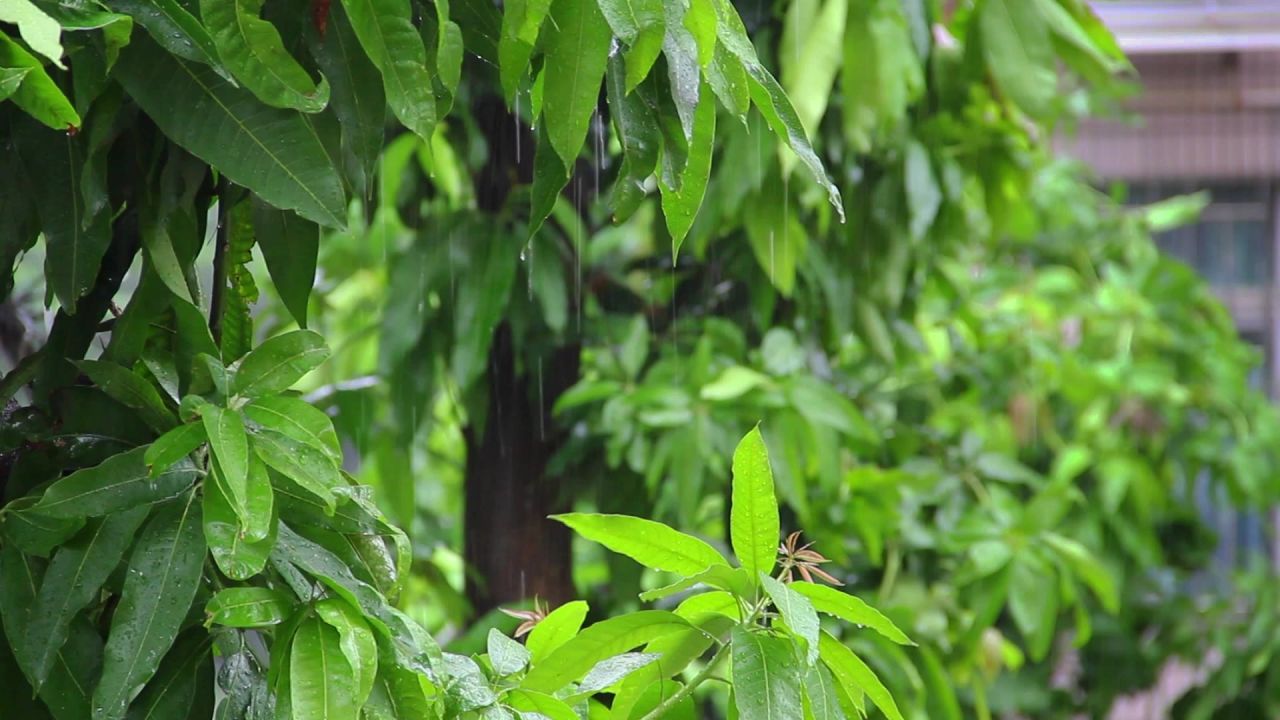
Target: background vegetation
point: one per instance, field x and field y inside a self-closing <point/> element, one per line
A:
<point x="565" y="255"/>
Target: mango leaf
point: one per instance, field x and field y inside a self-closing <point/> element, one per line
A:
<point x="1016" y="45"/>
<point x="830" y="601"/>
<point x="676" y="651"/>
<point x="275" y="365"/>
<point x="680" y="204"/>
<point x="602" y="640"/>
<point x="38" y="95"/>
<point x="10" y="80"/>
<point x="173" y="446"/>
<point x="633" y="115"/>
<point x="359" y="102"/>
<point x="649" y="543"/>
<point x="521" y="23"/>
<point x="796" y="611"/>
<point x="248" y="607"/>
<point x="356" y="642"/>
<point x="172" y="26"/>
<point x="275" y="153"/>
<point x="35" y="534"/>
<point x="230" y="446"/>
<point x="296" y="419"/>
<point x="289" y="247"/>
<point x="810" y="55"/>
<point x="172" y="692"/>
<point x="42" y="33"/>
<point x="73" y="581"/>
<point x="386" y="32"/>
<point x="467" y="687"/>
<point x="309" y="468"/>
<point x="1088" y="568"/>
<point x="535" y="704"/>
<point x="854" y="675"/>
<point x="252" y="50"/>
<point x="119" y="483"/>
<point x="610" y="671"/>
<point x="881" y="75"/>
<point x="578" y="49"/>
<point x="753" y="519"/>
<point x="772" y="101"/>
<point x="821" y="697"/>
<point x="322" y="683"/>
<point x="1033" y="602"/>
<point x="766" y="679"/>
<point x="507" y="656"/>
<point x="555" y="629"/>
<point x="236" y="555"/>
<point x="735" y="580"/>
<point x="164" y="572"/>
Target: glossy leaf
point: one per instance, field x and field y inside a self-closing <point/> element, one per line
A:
<point x="278" y="363"/>
<point x="72" y="582"/>
<point x="554" y="630"/>
<point x="609" y="671"/>
<point x="766" y="678"/>
<point x="273" y="152"/>
<point x="356" y="642"/>
<point x="230" y="446"/>
<point x="164" y="572"/>
<point x="289" y="247"/>
<point x="172" y="692"/>
<point x="358" y="100"/>
<point x="521" y="23"/>
<point x="680" y="204"/>
<point x="529" y="702"/>
<point x="42" y="33"/>
<point x="173" y="446"/>
<point x="506" y="655"/>
<point x="796" y="611"/>
<point x="852" y="673"/>
<point x="38" y="95"/>
<point x="252" y="50"/>
<point x="322" y="683"/>
<point x="296" y="419"/>
<point x="578" y="47"/>
<point x="172" y="26"/>
<point x="236" y="555"/>
<point x="248" y="607"/>
<point x="386" y="32"/>
<point x="119" y="483"/>
<point x="649" y="543"/>
<point x="753" y="520"/>
<point x="604" y="639"/>
<point x="309" y="468"/>
<point x="821" y="698"/>
<point x="35" y="534"/>
<point x="833" y="602"/>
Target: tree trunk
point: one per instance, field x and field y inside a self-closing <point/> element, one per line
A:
<point x="513" y="551"/>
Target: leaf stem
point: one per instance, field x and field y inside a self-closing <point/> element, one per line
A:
<point x="666" y="705"/>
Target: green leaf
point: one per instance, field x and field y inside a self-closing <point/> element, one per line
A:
<point x="577" y="50"/>
<point x="835" y="603"/>
<point x="1088" y="568"/>
<point x="545" y="706"/>
<point x="467" y="687"/>
<point x="356" y="642"/>
<point x="164" y="572"/>
<point x="855" y="676"/>
<point x="924" y="197"/>
<point x="237" y="555"/>
<point x="1016" y="45"/>
<point x="172" y="26"/>
<point x="772" y="101"/>
<point x="252" y="50"/>
<point x="322" y="683"/>
<point x="821" y="699"/>
<point x="275" y="365"/>
<point x="777" y="238"/>
<point x="171" y="693"/>
<point x="386" y="32"/>
<point x="73" y="581"/>
<point x="634" y="118"/>
<point x="1033" y="602"/>
<point x="42" y="33"/>
<point x="680" y="204"/>
<point x="604" y="639"/>
<point x="75" y="237"/>
<point x="753" y="519"/>
<point x="289" y="247"/>
<point x="521" y="23"/>
<point x="173" y="446"/>
<point x="766" y="678"/>
<point x="119" y="483"/>
<point x="248" y="607"/>
<point x="361" y="106"/>
<point x="230" y="446"/>
<point x="275" y="153"/>
<point x="296" y="419"/>
<point x="733" y="383"/>
<point x="311" y="469"/>
<point x="882" y="75"/>
<point x="810" y="55"/>
<point x="649" y="543"/>
<point x="797" y="612"/>
<point x="507" y="656"/>
<point x="35" y="534"/>
<point x="700" y="20"/>
<point x="38" y="94"/>
<point x="10" y="80"/>
<point x="610" y="671"/>
<point x="735" y="580"/>
<point x="556" y="629"/>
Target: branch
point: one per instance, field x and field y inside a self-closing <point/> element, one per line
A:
<point x="666" y="705"/>
<point x="217" y="297"/>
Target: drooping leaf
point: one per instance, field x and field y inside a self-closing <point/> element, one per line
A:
<point x="42" y="33"/>
<point x="881" y="74"/>
<point x="637" y="128"/>
<point x="322" y="682"/>
<point x="1088" y="567"/>
<point x="796" y="611"/>
<point x="521" y="23"/>
<point x="289" y="246"/>
<point x="359" y="102"/>
<point x="649" y="543"/>
<point x="766" y="677"/>
<point x="578" y="49"/>
<point x="554" y="630"/>
<point x="356" y="642"/>
<point x="276" y="364"/>
<point x="810" y="56"/>
<point x="821" y="698"/>
<point x="753" y="522"/>
<point x="73" y="581"/>
<point x="248" y="607"/>
<point x="924" y="197"/>
<point x="236" y="555"/>
<point x="852" y="673"/>
<point x="240" y="293"/>
<point x="120" y="483"/>
<point x="274" y="153"/>
<point x="386" y="32"/>
<point x="833" y="602"/>
<point x="680" y="204"/>
<point x="38" y="95"/>
<point x="252" y="50"/>
<point x="165" y="570"/>
<point x="604" y="639"/>
<point x="172" y="26"/>
<point x="230" y="446"/>
<point x="1016" y="45"/>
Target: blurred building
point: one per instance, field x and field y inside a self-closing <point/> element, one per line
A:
<point x="1210" y="120"/>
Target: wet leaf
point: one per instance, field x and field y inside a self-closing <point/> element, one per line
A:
<point x="248" y="607"/>
<point x="119" y="483"/>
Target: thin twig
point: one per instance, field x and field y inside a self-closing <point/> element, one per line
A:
<point x="217" y="297"/>
<point x="666" y="705"/>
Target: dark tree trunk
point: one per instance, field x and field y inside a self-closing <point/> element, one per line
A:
<point x="513" y="551"/>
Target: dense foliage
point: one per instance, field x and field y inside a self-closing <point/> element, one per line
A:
<point x="989" y="400"/>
